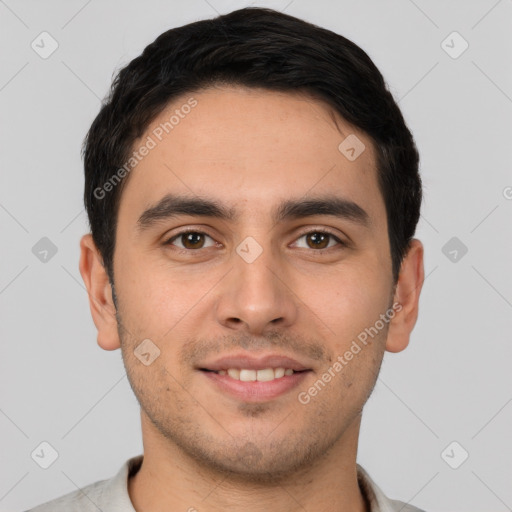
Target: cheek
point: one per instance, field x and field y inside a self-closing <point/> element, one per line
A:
<point x="160" y="299"/>
<point x="347" y="302"/>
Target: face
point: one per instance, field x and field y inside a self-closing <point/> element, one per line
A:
<point x="246" y="240"/>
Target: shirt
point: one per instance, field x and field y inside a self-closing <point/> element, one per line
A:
<point x="111" y="495"/>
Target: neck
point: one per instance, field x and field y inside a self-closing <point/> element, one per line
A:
<point x="170" y="479"/>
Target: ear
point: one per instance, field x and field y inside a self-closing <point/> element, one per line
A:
<point x="407" y="294"/>
<point x="99" y="289"/>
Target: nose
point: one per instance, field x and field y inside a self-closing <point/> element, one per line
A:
<point x="256" y="296"/>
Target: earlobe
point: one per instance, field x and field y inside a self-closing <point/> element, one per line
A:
<point x="99" y="289"/>
<point x="407" y="294"/>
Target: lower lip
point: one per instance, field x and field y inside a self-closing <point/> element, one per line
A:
<point x="255" y="391"/>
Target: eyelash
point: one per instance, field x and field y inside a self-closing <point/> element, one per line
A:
<point x="323" y="231"/>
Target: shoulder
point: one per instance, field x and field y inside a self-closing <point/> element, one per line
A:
<point x="375" y="496"/>
<point x="81" y="500"/>
<point x="400" y="506"/>
<point x="109" y="494"/>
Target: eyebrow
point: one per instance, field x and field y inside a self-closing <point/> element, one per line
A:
<point x="171" y="206"/>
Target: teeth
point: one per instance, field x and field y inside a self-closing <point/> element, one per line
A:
<point x="264" y="375"/>
<point x="247" y="375"/>
<point x="234" y="373"/>
<point x="279" y="372"/>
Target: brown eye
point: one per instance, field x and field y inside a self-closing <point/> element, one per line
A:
<point x="192" y="240"/>
<point x="189" y="240"/>
<point x="319" y="240"/>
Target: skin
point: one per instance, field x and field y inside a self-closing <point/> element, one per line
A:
<point x="250" y="149"/>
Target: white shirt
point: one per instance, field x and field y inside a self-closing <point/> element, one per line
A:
<point x="111" y="495"/>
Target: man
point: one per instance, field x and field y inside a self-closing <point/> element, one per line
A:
<point x="253" y="192"/>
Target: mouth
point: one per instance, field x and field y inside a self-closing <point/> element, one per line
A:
<point x="254" y="379"/>
<point x="251" y="375"/>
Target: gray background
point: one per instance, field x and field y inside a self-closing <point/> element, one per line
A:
<point x="452" y="383"/>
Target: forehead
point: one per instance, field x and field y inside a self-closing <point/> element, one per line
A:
<point x="250" y="148"/>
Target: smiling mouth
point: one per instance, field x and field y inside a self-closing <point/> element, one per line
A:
<point x="250" y="375"/>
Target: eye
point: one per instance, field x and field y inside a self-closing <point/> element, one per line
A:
<point x="190" y="240"/>
<point x="194" y="240"/>
<point x="320" y="240"/>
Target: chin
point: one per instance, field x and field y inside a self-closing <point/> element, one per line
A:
<point x="252" y="463"/>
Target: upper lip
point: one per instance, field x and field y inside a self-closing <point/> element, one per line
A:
<point x="252" y="362"/>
